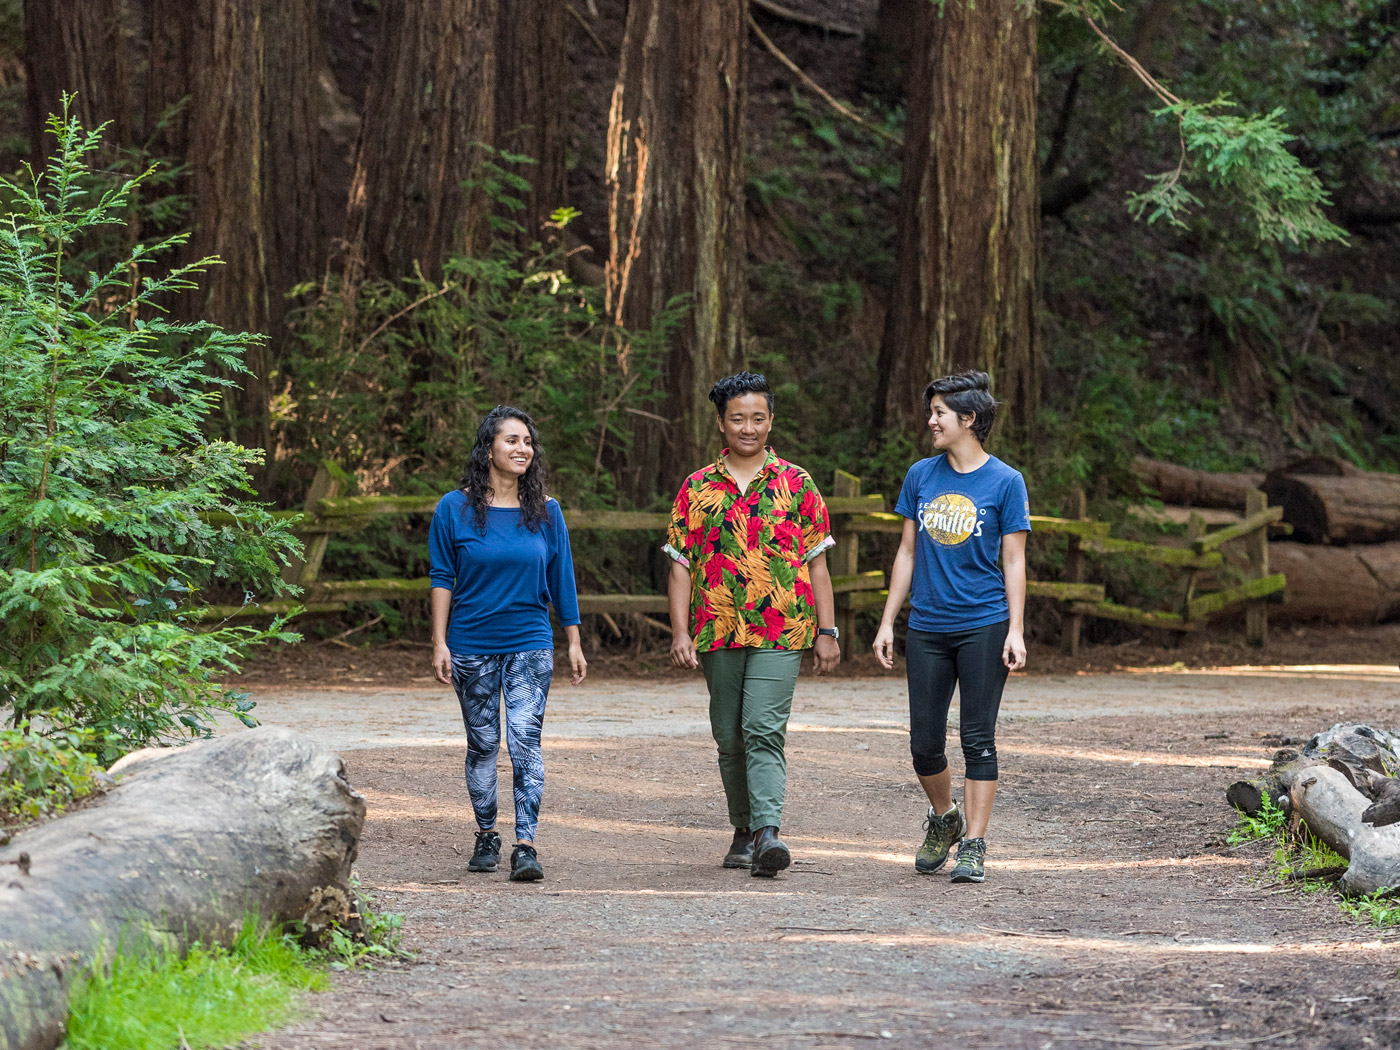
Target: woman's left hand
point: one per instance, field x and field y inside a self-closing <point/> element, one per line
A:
<point x="578" y="666"/>
<point x="1013" y="653"/>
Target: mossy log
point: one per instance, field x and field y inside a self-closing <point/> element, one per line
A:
<point x="190" y="842"/>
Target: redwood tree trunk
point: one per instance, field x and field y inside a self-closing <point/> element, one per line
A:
<point x="75" y="46"/>
<point x="431" y="100"/>
<point x="249" y="137"/>
<point x="531" y="102"/>
<point x="967" y="246"/>
<point x="676" y="210"/>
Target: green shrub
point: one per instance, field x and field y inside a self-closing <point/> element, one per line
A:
<point x="117" y="515"/>
<point x="41" y="775"/>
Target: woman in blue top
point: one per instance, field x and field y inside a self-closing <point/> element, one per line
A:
<point x="963" y="508"/>
<point x="500" y="557"/>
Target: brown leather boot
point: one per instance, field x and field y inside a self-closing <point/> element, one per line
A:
<point x="740" y="853"/>
<point x="770" y="855"/>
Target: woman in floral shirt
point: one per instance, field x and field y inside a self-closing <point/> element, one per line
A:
<point x="750" y="591"/>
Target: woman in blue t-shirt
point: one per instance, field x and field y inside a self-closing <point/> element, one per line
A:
<point x="500" y="557"/>
<point x="963" y="509"/>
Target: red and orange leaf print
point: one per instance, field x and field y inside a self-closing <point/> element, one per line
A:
<point x="747" y="553"/>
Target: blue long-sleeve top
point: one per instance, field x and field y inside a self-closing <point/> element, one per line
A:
<point x="502" y="580"/>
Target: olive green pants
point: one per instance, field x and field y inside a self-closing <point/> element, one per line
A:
<point x="750" y="701"/>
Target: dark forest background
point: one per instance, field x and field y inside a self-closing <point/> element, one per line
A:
<point x="432" y="206"/>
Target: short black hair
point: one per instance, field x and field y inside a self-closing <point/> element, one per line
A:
<point x="967" y="394"/>
<point x="738" y="385"/>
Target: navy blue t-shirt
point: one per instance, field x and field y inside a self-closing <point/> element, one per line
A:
<point x="503" y="580"/>
<point x="961" y="519"/>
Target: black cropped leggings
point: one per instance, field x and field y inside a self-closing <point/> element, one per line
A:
<point x="971" y="660"/>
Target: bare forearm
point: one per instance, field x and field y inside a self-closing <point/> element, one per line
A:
<point x="821" y="590"/>
<point x="901" y="578"/>
<point x="678" y="594"/>
<point x="441" y="601"/>
<point x="1016" y="594"/>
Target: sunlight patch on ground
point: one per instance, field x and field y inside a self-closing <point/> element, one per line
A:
<point x="1137" y="758"/>
<point x="1032" y="942"/>
<point x="1035" y="863"/>
<point x="1346" y="672"/>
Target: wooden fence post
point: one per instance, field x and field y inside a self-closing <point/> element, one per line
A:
<point x="842" y="562"/>
<point x="304" y="570"/>
<point x="1256" y="614"/>
<point x="1072" y="623"/>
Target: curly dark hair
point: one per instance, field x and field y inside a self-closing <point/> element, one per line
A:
<point x="967" y="394"/>
<point x="738" y="385"/>
<point x="476" y="478"/>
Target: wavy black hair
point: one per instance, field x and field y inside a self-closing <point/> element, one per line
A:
<point x="967" y="394"/>
<point x="738" y="385"/>
<point x="476" y="478"/>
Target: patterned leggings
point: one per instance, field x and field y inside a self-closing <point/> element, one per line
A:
<point x="524" y="679"/>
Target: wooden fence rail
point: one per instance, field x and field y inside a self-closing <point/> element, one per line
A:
<point x="328" y="513"/>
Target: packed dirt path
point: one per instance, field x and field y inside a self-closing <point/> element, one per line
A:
<point x="1113" y="914"/>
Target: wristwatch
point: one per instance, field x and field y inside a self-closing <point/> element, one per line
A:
<point x="830" y="632"/>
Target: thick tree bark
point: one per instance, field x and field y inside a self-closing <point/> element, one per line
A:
<point x="676" y="210"/>
<point x="191" y="841"/>
<point x="249" y="136"/>
<point x="532" y="102"/>
<point x="1360" y="508"/>
<point x="967" y="241"/>
<point x="75" y="46"/>
<point x="431" y="101"/>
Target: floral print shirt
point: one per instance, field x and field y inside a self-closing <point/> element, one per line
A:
<point x="748" y="552"/>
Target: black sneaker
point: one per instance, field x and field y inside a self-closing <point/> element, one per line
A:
<point x="487" y="854"/>
<point x="971" y="864"/>
<point x="524" y="864"/>
<point x="942" y="833"/>
<point x="740" y="853"/>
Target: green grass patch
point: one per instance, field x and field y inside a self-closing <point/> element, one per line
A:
<point x="1379" y="908"/>
<point x="212" y="996"/>
<point x="1266" y="824"/>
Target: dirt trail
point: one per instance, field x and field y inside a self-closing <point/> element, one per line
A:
<point x="1111" y="916"/>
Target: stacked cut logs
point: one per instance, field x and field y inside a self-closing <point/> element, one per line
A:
<point x="1343" y="561"/>
<point x="1341" y="789"/>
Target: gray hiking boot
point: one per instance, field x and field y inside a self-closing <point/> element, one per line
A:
<point x="971" y="863"/>
<point x="942" y="832"/>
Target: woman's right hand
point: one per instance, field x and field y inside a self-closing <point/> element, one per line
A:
<point x="442" y="663"/>
<point x="683" y="652"/>
<point x="884" y="646"/>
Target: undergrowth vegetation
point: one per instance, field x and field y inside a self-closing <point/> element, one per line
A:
<point x="152" y="998"/>
<point x="1309" y="864"/>
<point x="117" y="514"/>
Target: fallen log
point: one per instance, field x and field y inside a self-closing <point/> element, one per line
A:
<point x="1248" y="795"/>
<point x="1342" y="585"/>
<point x="1186" y="486"/>
<point x="1332" y="810"/>
<point x="1337" y="510"/>
<point x="190" y="841"/>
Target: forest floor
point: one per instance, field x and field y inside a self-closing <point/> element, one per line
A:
<point x="1113" y="914"/>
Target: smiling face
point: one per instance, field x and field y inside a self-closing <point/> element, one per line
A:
<point x="947" y="426"/>
<point x="746" y="424"/>
<point x="512" y="452"/>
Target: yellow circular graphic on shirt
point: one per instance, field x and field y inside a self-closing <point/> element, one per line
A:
<point x="949" y="519"/>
